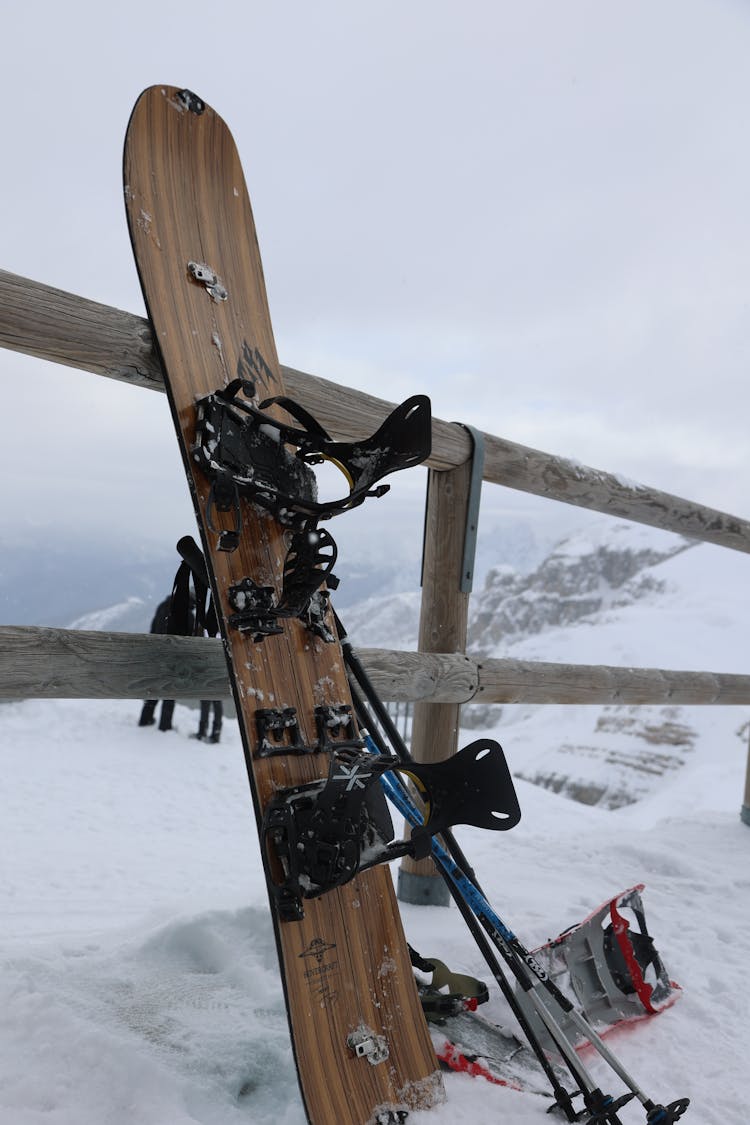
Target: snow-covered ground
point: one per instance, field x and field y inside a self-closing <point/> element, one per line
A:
<point x="139" y="980"/>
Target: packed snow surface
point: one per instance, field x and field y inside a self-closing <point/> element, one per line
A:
<point x="139" y="980"/>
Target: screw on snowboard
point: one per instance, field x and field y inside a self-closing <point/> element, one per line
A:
<point x="363" y="1051"/>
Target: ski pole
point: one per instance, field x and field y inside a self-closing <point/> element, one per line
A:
<point x="502" y="935"/>
<point x="563" y="1098"/>
<point x="657" y="1114"/>
<point x="602" y="1105"/>
<point x="593" y="1097"/>
<point x="360" y="682"/>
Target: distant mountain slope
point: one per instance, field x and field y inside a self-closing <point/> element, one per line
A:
<point x="625" y="596"/>
<point x="58" y="578"/>
<point x="131" y="616"/>
<point x="609" y="565"/>
<point x="388" y="622"/>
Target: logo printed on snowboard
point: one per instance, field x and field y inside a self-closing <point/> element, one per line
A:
<point x="317" y="949"/>
<point x="251" y="366"/>
<point x="353" y="777"/>
<point x="318" y="977"/>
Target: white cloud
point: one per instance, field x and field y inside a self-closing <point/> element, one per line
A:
<point x="537" y="213"/>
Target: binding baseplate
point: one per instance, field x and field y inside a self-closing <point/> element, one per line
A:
<point x="320" y="835"/>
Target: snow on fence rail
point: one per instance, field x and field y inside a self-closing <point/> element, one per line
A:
<point x="64" y="328"/>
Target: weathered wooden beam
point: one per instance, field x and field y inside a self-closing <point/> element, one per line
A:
<point x="45" y="663"/>
<point x="58" y="326"/>
<point x="557" y="478"/>
<point x="745" y="808"/>
<point x="527" y="681"/>
<point x="405" y="677"/>
<point x="443" y="623"/>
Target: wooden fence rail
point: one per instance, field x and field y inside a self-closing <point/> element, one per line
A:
<point x="45" y="663"/>
<point x="58" y="326"/>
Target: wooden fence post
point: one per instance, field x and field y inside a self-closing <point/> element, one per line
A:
<point x="745" y="810"/>
<point x="442" y="628"/>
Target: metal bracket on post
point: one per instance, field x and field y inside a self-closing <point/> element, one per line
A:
<point x="468" y="560"/>
<point x="745" y="810"/>
<point x="472" y="508"/>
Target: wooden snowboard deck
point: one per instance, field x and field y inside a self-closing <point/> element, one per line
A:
<point x="345" y="964"/>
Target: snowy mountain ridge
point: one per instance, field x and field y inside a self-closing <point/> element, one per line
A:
<point x="615" y="593"/>
<point x="115" y="617"/>
<point x="606" y="567"/>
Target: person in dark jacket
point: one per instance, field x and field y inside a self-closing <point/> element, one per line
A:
<point x="160" y="624"/>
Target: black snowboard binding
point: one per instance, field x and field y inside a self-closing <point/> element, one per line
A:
<point x="320" y="835"/>
<point x="308" y="564"/>
<point x="248" y="453"/>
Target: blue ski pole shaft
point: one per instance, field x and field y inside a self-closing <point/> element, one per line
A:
<point x="502" y="936"/>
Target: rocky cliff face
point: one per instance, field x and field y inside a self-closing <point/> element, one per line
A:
<point x="584" y="574"/>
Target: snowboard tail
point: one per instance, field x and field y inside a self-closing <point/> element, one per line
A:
<point x="362" y="1047"/>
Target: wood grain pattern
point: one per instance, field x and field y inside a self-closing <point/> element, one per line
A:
<point x="187" y="201"/>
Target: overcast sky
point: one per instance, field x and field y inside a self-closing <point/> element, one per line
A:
<point x="535" y="212"/>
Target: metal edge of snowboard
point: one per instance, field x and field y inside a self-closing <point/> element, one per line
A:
<point x="411" y="1077"/>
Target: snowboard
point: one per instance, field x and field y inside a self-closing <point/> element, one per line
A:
<point x="362" y="1047"/>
